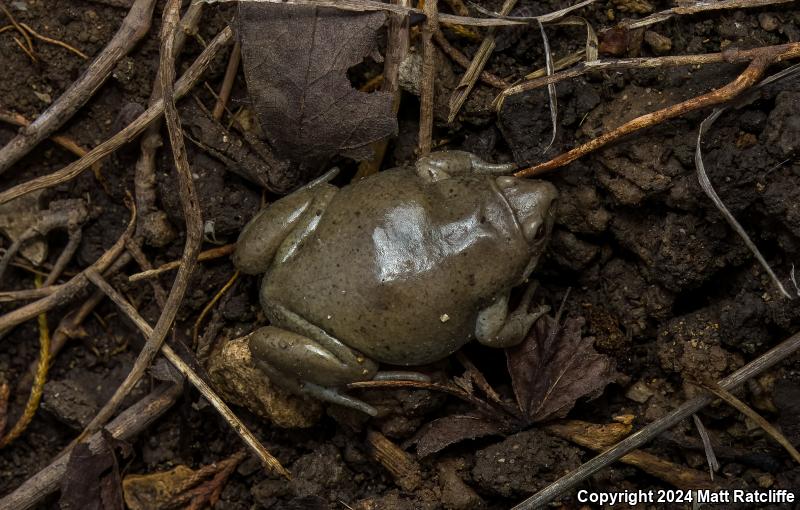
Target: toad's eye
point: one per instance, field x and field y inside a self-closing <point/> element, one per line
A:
<point x="541" y="232"/>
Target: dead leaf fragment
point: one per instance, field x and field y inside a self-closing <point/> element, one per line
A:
<point x="439" y="434"/>
<point x="16" y="217"/>
<point x="551" y="370"/>
<point x="92" y="480"/>
<point x="295" y="60"/>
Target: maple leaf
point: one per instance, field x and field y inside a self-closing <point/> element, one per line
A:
<point x="554" y="367"/>
<point x="295" y="60"/>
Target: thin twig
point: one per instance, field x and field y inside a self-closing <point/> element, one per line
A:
<point x="462" y="60"/>
<point x="746" y="410"/>
<point x="153" y="226"/>
<point x="29" y="49"/>
<point x="779" y="52"/>
<point x="209" y="394"/>
<point x="742" y="82"/>
<point x="479" y="61"/>
<point x="698" y="7"/>
<point x="66" y="143"/>
<point x="183" y="85"/>
<point x="191" y="211"/>
<point x="54" y="41"/>
<point x="213" y="253"/>
<point x="428" y="77"/>
<point x="639" y="438"/>
<point x="74" y="286"/>
<point x="135" y="25"/>
<point x="227" y="82"/>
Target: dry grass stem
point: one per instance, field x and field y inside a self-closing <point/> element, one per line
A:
<point x="594" y="437"/>
<point x="705" y="184"/>
<point x="649" y="432"/>
<point x="227" y="82"/>
<point x="462" y="60"/>
<point x="210" y="305"/>
<point x="56" y="42"/>
<point x="766" y="426"/>
<point x="27" y="49"/>
<point x="711" y="458"/>
<point x="37" y="387"/>
<point x="476" y="66"/>
<point x="698" y="7"/>
<point x="250" y="440"/>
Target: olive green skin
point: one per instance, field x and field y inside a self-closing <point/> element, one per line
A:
<point x="392" y="255"/>
<point x="403" y="267"/>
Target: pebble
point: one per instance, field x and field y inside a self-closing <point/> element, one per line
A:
<point x="768" y="22"/>
<point x="658" y="43"/>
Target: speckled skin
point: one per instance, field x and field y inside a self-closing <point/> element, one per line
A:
<point x="404" y="268"/>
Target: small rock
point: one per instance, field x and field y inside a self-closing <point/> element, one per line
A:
<point x="658" y="43"/>
<point x="639" y="392"/>
<point x="456" y="495"/>
<point x="70" y="403"/>
<point x="238" y="381"/>
<point x="524" y="463"/>
<point x="319" y="473"/>
<point x="768" y="21"/>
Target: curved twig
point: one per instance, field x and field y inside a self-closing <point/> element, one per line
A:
<point x="749" y="76"/>
<point x="191" y="211"/>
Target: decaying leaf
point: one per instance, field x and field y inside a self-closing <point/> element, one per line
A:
<point x="295" y="60"/>
<point x="550" y="370"/>
<point x="158" y="490"/>
<point x="439" y="434"/>
<point x="180" y="487"/>
<point x="92" y="480"/>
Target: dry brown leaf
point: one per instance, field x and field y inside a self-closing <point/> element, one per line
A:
<point x="439" y="434"/>
<point x="158" y="490"/>
<point x="551" y="370"/>
<point x="295" y="60"/>
<point x="92" y="479"/>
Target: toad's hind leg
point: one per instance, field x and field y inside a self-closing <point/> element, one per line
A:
<point x="300" y="364"/>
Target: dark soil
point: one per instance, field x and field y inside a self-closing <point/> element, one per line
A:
<point x="665" y="286"/>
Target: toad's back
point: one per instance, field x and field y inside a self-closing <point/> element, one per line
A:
<point x="399" y="268"/>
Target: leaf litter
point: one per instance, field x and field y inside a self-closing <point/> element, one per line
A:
<point x="550" y="371"/>
<point x="295" y="59"/>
